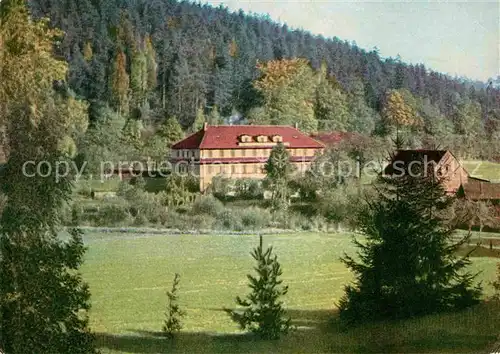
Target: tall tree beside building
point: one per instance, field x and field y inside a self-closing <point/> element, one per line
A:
<point x="330" y="105"/>
<point x="171" y="131"/>
<point x="43" y="299"/>
<point x="408" y="264"/>
<point x="279" y="171"/>
<point x="288" y="88"/>
<point x="399" y="116"/>
<point x="199" y="121"/>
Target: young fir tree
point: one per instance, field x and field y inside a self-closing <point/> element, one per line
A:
<point x="174" y="313"/>
<point x="279" y="170"/>
<point x="407" y="265"/>
<point x="264" y="313"/>
<point x="43" y="299"/>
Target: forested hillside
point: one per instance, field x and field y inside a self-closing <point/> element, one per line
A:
<point x="153" y="59"/>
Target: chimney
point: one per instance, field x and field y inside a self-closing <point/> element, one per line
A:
<point x="205" y="126"/>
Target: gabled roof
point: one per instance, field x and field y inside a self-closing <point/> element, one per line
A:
<point x="190" y="142"/>
<point x="227" y="137"/>
<point x="404" y="157"/>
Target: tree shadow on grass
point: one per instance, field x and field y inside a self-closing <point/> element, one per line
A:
<point x="310" y="328"/>
<point x="318" y="331"/>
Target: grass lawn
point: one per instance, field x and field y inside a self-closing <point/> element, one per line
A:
<point x="483" y="169"/>
<point x="130" y="273"/>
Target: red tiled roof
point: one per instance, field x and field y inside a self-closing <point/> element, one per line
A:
<point x="190" y="142"/>
<point x="226" y="137"/>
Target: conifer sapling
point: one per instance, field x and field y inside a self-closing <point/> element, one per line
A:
<point x="173" y="314"/>
<point x="264" y="313"/>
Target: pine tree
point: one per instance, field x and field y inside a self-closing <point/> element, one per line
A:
<point x="43" y="299"/>
<point x="278" y="176"/>
<point x="408" y="264"/>
<point x="139" y="78"/>
<point x="264" y="313"/>
<point x="174" y="313"/>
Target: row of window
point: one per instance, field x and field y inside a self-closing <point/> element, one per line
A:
<point x="261" y="138"/>
<point x="185" y="153"/>
<point x="245" y="169"/>
<point x="237" y="153"/>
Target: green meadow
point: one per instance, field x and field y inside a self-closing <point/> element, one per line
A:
<point x="129" y="274"/>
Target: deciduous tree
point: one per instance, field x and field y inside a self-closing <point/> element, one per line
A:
<point x="43" y="299"/>
<point x="120" y="83"/>
<point x="278" y="176"/>
<point x="288" y="88"/>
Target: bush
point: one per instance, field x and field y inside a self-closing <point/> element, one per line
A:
<point x="112" y="215"/>
<point x="127" y="191"/>
<point x="138" y="182"/>
<point x="220" y="187"/>
<point x="84" y="187"/>
<point x="149" y="206"/>
<point x="140" y="220"/>
<point x="248" y="189"/>
<point x="208" y="205"/>
<point x="230" y="220"/>
<point x="255" y="218"/>
<point x="174" y="220"/>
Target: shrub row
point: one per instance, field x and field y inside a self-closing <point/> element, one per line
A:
<point x="133" y="206"/>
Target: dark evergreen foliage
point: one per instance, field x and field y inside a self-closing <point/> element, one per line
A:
<point x="174" y="313"/>
<point x="407" y="266"/>
<point x="264" y="314"/>
<point x="206" y="56"/>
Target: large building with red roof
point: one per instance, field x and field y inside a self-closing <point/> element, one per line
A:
<point x="239" y="151"/>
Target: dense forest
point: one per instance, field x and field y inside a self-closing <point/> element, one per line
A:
<point x="149" y="60"/>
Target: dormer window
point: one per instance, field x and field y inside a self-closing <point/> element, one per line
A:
<point x="245" y="138"/>
<point x="262" y="138"/>
<point x="277" y="139"/>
